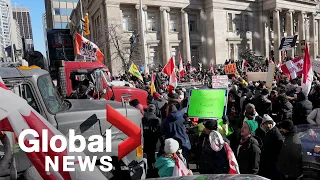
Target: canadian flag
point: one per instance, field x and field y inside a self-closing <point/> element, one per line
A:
<point x="86" y="48"/>
<point x="307" y="73"/>
<point x="169" y="67"/>
<point x="211" y="68"/>
<point x="293" y="67"/>
<point x="180" y="169"/>
<point x="181" y="69"/>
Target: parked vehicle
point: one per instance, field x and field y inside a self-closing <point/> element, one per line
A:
<point x="87" y="117"/>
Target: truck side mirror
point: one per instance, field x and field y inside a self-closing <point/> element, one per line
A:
<point x="98" y="77"/>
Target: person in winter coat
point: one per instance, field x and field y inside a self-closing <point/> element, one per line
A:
<point x="262" y="103"/>
<point x="166" y="162"/>
<point x="314" y="116"/>
<point x="152" y="137"/>
<point x="248" y="151"/>
<point x="272" y="141"/>
<point x="249" y="98"/>
<point x="250" y="113"/>
<point x="210" y="161"/>
<point x="135" y="103"/>
<point x="283" y="109"/>
<point x="160" y="104"/>
<point x="301" y="110"/>
<point x="290" y="158"/>
<point x="174" y="127"/>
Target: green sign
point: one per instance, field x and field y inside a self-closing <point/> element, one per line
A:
<point x="207" y="103"/>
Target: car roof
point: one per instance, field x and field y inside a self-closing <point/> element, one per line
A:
<point x="18" y="73"/>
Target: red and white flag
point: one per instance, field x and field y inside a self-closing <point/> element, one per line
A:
<point x="181" y="69"/>
<point x="180" y="169"/>
<point x="17" y="115"/>
<point x="293" y="67"/>
<point x="86" y="48"/>
<point x="307" y="73"/>
<point x="211" y="68"/>
<point x="169" y="67"/>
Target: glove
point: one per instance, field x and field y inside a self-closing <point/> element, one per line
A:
<point x="225" y="119"/>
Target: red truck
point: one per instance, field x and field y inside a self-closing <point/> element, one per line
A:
<point x="70" y="73"/>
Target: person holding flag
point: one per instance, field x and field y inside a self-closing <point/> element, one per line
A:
<point x="135" y="72"/>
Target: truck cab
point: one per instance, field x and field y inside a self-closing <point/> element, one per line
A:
<point x="71" y="73"/>
<point x="87" y="117"/>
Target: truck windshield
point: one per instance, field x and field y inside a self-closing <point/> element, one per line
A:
<point x="50" y="96"/>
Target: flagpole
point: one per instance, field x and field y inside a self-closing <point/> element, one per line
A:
<point x="142" y="36"/>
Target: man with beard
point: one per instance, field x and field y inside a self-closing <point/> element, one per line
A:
<point x="290" y="157"/>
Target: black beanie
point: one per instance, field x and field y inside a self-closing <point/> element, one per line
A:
<point x="265" y="92"/>
<point x="211" y="124"/>
<point x="287" y="125"/>
<point x="134" y="102"/>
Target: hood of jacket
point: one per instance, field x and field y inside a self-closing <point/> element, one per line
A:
<point x="175" y="115"/>
<point x="263" y="129"/>
<point x="253" y="117"/>
<point x="150" y="115"/>
<point x="301" y="97"/>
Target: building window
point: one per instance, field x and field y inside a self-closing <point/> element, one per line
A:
<point x="271" y="23"/>
<point x="193" y="23"/>
<point x="173" y="22"/>
<point x="64" y="25"/>
<point x="127" y="20"/>
<point x="295" y="25"/>
<point x="174" y="54"/>
<point x="230" y="24"/>
<point x="238" y="21"/>
<point x="153" y="57"/>
<point x="283" y="24"/>
<point x="194" y="56"/>
<point x="57" y="25"/>
<point x="97" y="28"/>
<point x="56" y="11"/>
<point x="246" y="22"/>
<point x="151" y="22"/>
<point x="232" y="51"/>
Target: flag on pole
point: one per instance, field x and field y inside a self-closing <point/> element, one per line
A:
<point x="169" y="67"/>
<point x="135" y="72"/>
<point x="307" y="73"/>
<point x="152" y="86"/>
<point x="293" y="67"/>
<point x="86" y="48"/>
<point x="181" y="69"/>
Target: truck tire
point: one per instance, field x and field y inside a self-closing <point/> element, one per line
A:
<point x="62" y="83"/>
<point x="32" y="174"/>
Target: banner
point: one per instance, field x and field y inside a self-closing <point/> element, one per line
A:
<point x="230" y="68"/>
<point x="220" y="81"/>
<point x="270" y="75"/>
<point x="86" y="48"/>
<point x="207" y="103"/>
<point x="288" y="42"/>
<point x="257" y="76"/>
<point x="316" y="65"/>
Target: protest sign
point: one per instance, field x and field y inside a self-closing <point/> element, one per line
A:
<point x="316" y="65"/>
<point x="207" y="103"/>
<point x="220" y="81"/>
<point x="230" y="68"/>
<point x="257" y="76"/>
<point x="270" y="75"/>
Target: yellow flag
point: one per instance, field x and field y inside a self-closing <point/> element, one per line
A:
<point x="135" y="72"/>
<point x="152" y="86"/>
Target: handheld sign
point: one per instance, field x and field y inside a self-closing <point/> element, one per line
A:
<point x="230" y="69"/>
<point x="221" y="81"/>
<point x="207" y="103"/>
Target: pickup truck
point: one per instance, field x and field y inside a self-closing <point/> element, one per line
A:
<point x="87" y="117"/>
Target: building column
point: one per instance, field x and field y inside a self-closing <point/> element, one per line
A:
<point x="301" y="36"/>
<point x="276" y="31"/>
<point x="318" y="37"/>
<point x="312" y="35"/>
<point x="185" y="36"/>
<point x="165" y="34"/>
<point x="289" y="30"/>
<point x="141" y="31"/>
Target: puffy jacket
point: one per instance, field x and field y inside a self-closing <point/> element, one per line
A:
<point x="262" y="104"/>
<point x="248" y="156"/>
<point x="302" y="109"/>
<point x="165" y="166"/>
<point x="284" y="111"/>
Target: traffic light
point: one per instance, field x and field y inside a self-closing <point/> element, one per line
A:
<point x="86" y="27"/>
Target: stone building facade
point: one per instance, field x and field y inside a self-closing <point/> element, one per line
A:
<point x="209" y="31"/>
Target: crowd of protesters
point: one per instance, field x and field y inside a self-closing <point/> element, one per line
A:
<point x="264" y="139"/>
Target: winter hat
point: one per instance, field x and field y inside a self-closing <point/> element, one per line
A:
<point x="171" y="146"/>
<point x="156" y="95"/>
<point x="266" y="118"/>
<point x="253" y="125"/>
<point x="265" y="92"/>
<point x="151" y="108"/>
<point x="134" y="102"/>
<point x="211" y="124"/>
<point x="287" y="124"/>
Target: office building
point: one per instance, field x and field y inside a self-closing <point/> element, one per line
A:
<point x="58" y="13"/>
<point x="22" y="16"/>
<point x="5" y="23"/>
